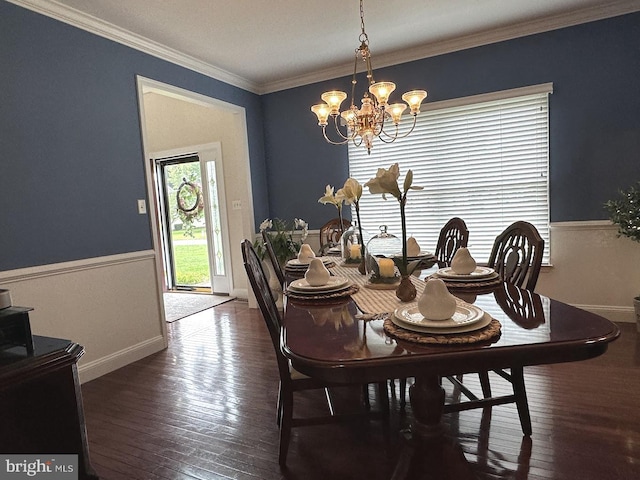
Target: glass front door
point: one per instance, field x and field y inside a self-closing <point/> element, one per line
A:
<point x="185" y="236"/>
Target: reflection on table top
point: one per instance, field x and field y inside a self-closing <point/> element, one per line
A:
<point x="334" y="342"/>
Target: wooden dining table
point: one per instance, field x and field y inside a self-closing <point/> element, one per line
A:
<point x="334" y="340"/>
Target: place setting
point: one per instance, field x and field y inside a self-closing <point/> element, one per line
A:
<point x="316" y="283"/>
<point x="438" y="317"/>
<point x="298" y="266"/>
<point x="465" y="275"/>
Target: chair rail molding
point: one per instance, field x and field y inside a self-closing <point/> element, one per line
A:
<point x="110" y="305"/>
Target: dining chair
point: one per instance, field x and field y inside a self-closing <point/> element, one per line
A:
<point x="517" y="256"/>
<point x="453" y="235"/>
<point x="272" y="256"/>
<point x="291" y="381"/>
<point x="331" y="232"/>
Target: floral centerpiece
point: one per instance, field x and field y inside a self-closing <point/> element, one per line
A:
<point x="386" y="182"/>
<point x="281" y="235"/>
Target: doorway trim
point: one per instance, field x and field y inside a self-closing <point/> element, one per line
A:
<point x="149" y="85"/>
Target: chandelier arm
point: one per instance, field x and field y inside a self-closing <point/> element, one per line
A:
<point x="335" y="123"/>
<point x="383" y="131"/>
<point x="415" y="118"/>
<point x="324" y="134"/>
<point x="390" y="138"/>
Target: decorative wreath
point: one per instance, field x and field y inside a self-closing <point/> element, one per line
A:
<point x="189" y="190"/>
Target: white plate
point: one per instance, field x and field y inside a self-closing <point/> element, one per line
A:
<point x="488" y="278"/>
<point x="483" y="322"/>
<point x="335" y="283"/>
<point x="466" y="314"/>
<point x="295" y="263"/>
<point x="480" y="272"/>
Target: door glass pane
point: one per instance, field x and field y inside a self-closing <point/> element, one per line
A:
<point x="187" y="233"/>
<point x="215" y="229"/>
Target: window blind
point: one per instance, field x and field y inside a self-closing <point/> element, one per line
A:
<point x="485" y="161"/>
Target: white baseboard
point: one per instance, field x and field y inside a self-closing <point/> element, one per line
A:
<point x="116" y="360"/>
<point x="241" y="293"/>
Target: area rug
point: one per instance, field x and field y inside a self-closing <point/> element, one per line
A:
<point x="180" y="305"/>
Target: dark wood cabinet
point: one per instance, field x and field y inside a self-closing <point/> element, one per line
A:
<point x="41" y="403"/>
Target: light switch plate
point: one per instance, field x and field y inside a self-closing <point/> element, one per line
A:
<point x="142" y="207"/>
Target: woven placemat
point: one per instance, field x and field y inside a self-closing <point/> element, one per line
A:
<point x="491" y="331"/>
<point x="301" y="297"/>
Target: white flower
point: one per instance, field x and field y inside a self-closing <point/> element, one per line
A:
<point x="266" y="224"/>
<point x="351" y="191"/>
<point x="329" y="197"/>
<point x="300" y="223"/>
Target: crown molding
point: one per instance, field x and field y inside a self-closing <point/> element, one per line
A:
<point x="541" y="25"/>
<point x="89" y="23"/>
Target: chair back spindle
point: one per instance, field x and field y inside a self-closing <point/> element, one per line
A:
<point x="331" y="232"/>
<point x="452" y="236"/>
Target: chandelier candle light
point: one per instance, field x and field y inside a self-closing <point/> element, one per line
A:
<point x="376" y="116"/>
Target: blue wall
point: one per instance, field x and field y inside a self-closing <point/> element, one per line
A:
<point x="71" y="160"/>
<point x="71" y="165"/>
<point x="594" y="115"/>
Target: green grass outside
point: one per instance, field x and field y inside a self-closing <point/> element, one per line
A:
<point x="198" y="234"/>
<point x="192" y="264"/>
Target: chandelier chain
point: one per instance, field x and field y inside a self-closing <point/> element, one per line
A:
<point x="364" y="38"/>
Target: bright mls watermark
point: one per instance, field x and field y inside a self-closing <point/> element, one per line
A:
<point x="49" y="467"/>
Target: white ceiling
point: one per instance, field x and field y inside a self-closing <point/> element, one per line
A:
<point x="267" y="45"/>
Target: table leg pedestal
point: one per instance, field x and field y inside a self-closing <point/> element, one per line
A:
<point x="426" y="452"/>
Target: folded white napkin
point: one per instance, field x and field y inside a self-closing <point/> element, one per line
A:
<point x="462" y="262"/>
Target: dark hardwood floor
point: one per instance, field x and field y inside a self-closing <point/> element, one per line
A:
<point x="205" y="409"/>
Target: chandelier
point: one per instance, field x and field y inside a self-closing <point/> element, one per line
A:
<point x="376" y="118"/>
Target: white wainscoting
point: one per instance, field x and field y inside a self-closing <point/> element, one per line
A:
<point x="593" y="269"/>
<point x="110" y="305"/>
